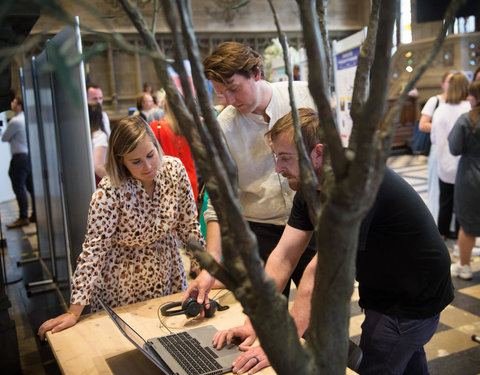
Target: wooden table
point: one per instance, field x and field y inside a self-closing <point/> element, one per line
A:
<point x="96" y="346"/>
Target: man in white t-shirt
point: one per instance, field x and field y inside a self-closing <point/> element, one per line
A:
<point x="253" y="106"/>
<point x="95" y="94"/>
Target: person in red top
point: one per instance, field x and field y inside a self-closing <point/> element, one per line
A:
<point x="173" y="143"/>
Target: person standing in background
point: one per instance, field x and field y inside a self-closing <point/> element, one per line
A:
<point x="95" y="94"/>
<point x="464" y="140"/>
<point x="20" y="170"/>
<point x="99" y="140"/>
<point x="147" y="109"/>
<point x="173" y="143"/>
<point x="425" y="125"/>
<point x="442" y="123"/>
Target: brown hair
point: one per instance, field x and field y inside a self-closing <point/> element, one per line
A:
<point x="231" y="58"/>
<point x="95" y="117"/>
<point x="474" y="114"/>
<point x="139" y="99"/>
<point x="457" y="88"/>
<point x="125" y="137"/>
<point x="19" y="100"/>
<point x="312" y="133"/>
<point x="92" y="85"/>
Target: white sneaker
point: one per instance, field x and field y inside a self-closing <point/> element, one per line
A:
<point x="463" y="272"/>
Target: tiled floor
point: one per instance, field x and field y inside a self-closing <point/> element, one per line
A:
<point x="451" y="350"/>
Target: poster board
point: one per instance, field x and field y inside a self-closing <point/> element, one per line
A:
<point x="346" y="52"/>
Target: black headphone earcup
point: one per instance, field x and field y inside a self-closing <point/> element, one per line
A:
<point x="210" y="312"/>
<point x="191" y="307"/>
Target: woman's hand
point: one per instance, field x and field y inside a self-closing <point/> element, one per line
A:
<point x="57" y="324"/>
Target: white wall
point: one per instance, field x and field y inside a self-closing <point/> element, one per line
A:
<point x="6" y="192"/>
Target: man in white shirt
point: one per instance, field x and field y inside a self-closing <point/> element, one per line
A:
<point x="95" y="94"/>
<point x="253" y="106"/>
<point x="20" y="170"/>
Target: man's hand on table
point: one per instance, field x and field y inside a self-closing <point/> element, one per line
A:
<point x="253" y="359"/>
<point x="244" y="334"/>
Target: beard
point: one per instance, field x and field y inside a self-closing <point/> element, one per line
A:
<point x="295" y="183"/>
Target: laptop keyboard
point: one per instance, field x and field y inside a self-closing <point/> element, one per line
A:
<point x="189" y="354"/>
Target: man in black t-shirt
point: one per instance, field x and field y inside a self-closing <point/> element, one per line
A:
<point x="403" y="265"/>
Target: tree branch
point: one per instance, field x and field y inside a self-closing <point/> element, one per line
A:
<point x="307" y="174"/>
<point x="365" y="59"/>
<point x="203" y="94"/>
<point x="319" y="85"/>
<point x="322" y="17"/>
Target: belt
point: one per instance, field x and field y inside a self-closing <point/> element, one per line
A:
<point x="20" y="154"/>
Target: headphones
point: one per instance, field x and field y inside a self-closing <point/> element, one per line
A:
<point x="191" y="308"/>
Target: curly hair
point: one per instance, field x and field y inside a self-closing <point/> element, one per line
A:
<point x="231" y="58"/>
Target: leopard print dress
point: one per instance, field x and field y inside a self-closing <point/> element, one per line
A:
<point x="131" y="252"/>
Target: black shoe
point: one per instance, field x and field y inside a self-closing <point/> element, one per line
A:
<point x="32" y="219"/>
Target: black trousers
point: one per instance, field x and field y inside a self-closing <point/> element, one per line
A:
<point x="20" y="174"/>
<point x="445" y="211"/>
<point x="268" y="236"/>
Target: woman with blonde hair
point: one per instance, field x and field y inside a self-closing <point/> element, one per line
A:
<point x="464" y="141"/>
<point x="442" y="123"/>
<point x="139" y="211"/>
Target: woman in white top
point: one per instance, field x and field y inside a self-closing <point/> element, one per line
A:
<point x="442" y="123"/>
<point x="425" y="125"/>
<point x="99" y="140"/>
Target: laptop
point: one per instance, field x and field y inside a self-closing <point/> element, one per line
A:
<point x="183" y="353"/>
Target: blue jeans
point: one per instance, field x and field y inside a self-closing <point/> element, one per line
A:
<point x="394" y="346"/>
<point x="21" y="176"/>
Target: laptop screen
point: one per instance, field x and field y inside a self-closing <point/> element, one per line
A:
<point x="129" y="331"/>
<point x="135" y="338"/>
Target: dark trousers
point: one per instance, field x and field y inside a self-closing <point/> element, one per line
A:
<point x="445" y="211"/>
<point x="20" y="174"/>
<point x="394" y="346"/>
<point x="268" y="236"/>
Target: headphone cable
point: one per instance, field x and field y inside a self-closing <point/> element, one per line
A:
<point x="159" y="318"/>
<point x="219" y="306"/>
